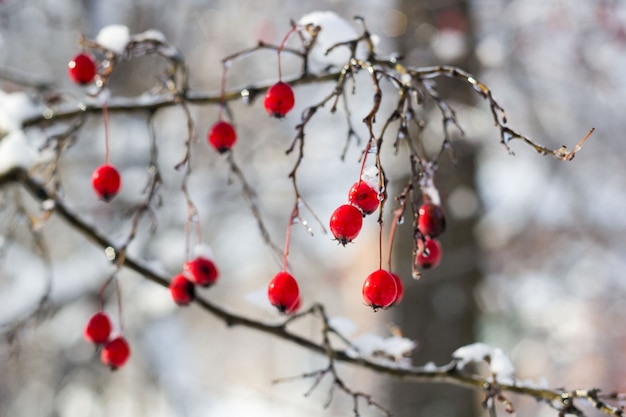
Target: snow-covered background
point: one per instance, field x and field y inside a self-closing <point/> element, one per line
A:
<point x="551" y="233"/>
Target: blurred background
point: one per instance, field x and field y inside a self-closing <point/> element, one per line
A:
<point x="533" y="253"/>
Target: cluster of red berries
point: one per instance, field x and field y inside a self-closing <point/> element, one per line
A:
<point x="431" y="223"/>
<point x="115" y="351"/>
<point x="284" y="293"/>
<point x="105" y="180"/>
<point x="279" y="100"/>
<point x="347" y="220"/>
<point x="198" y="271"/>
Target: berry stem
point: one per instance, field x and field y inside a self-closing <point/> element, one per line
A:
<point x="367" y="150"/>
<point x="105" y="117"/>
<point x="118" y="294"/>
<point x="225" y="67"/>
<point x="292" y="217"/>
<point x="293" y="29"/>
<point x="103" y="287"/>
<point x="397" y="214"/>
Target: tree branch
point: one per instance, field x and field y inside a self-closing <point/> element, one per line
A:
<point x="561" y="399"/>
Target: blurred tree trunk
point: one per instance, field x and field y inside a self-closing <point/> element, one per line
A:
<point x="439" y="311"/>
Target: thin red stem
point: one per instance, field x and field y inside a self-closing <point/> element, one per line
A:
<point x="282" y="46"/>
<point x="292" y="216"/>
<point x="392" y="233"/>
<point x="225" y="66"/>
<point x="380" y="246"/>
<point x="105" y="117"/>
<point x="118" y="293"/>
<point x="367" y="150"/>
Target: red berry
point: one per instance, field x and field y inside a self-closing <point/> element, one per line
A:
<point x="82" y="69"/>
<point x="115" y="353"/>
<point x="379" y="289"/>
<point x="222" y="136"/>
<point x="283" y="292"/>
<point x="364" y="197"/>
<point x="182" y="290"/>
<point x="345" y="223"/>
<point x="201" y="271"/>
<point x="431" y="221"/>
<point x="279" y="99"/>
<point x="98" y="328"/>
<point x="399" y="289"/>
<point x="106" y="182"/>
<point x="428" y="253"/>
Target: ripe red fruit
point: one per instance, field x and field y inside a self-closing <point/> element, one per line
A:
<point x="379" y="289"/>
<point x="201" y="271"/>
<point x="182" y="290"/>
<point x="115" y="353"/>
<point x="279" y="99"/>
<point x="431" y="221"/>
<point x="222" y="136"/>
<point x="345" y="223"/>
<point x="106" y="181"/>
<point x="428" y="253"/>
<point x="98" y="328"/>
<point x="283" y="292"/>
<point x="399" y="289"/>
<point x="364" y="197"/>
<point x="82" y="68"/>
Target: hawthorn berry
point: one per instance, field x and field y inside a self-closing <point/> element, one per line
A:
<point x="379" y="289"/>
<point x="431" y="221"/>
<point x="115" y="353"/>
<point x="98" y="328"/>
<point x="182" y="290"/>
<point x="428" y="253"/>
<point x="201" y="271"/>
<point x="106" y="181"/>
<point x="279" y="99"/>
<point x="82" y="69"/>
<point x="222" y="136"/>
<point x="283" y="292"/>
<point x="364" y="197"/>
<point x="399" y="289"/>
<point x="345" y="223"/>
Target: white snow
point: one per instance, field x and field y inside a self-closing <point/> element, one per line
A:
<point x="16" y="151"/>
<point x="427" y="184"/>
<point x="334" y="29"/>
<point x="501" y="364"/>
<point x="395" y="348"/>
<point x="203" y="250"/>
<point x="343" y="325"/>
<point x="14" y="108"/>
<point x="370" y="176"/>
<point x="475" y="352"/>
<point x="367" y="344"/>
<point x="149" y="35"/>
<point x="430" y="367"/>
<point x="398" y="347"/>
<point x="498" y="361"/>
<point x="114" y="38"/>
<point x="48" y="205"/>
